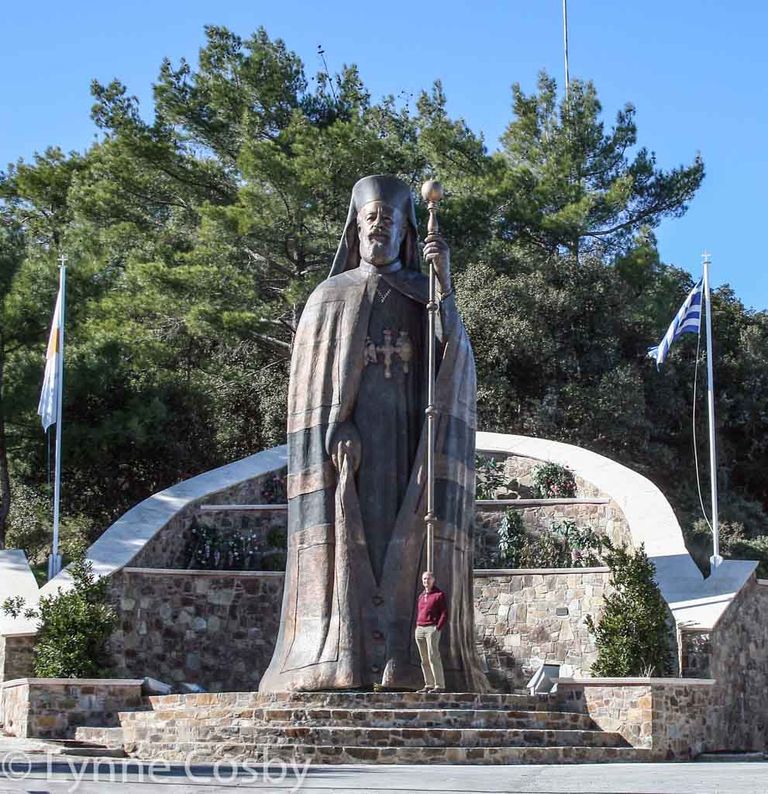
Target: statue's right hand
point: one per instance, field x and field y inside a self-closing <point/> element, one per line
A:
<point x="344" y="441"/>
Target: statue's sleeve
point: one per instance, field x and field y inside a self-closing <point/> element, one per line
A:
<point x="449" y="324"/>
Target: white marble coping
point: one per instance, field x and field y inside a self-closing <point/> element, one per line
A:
<point x="694" y="601"/>
<point x="478" y="572"/>
<point x="636" y="681"/>
<point x="17" y="579"/>
<point x="581" y="500"/>
<point x="43" y="682"/>
<point x="199" y="572"/>
<point x="481" y="572"/>
<point x="223" y="508"/>
<point x="122" y="541"/>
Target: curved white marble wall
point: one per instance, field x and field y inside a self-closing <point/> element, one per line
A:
<point x="122" y="541"/>
<point x="16" y="579"/>
<point x="695" y="602"/>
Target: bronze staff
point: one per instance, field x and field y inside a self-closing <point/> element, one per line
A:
<point x="432" y="193"/>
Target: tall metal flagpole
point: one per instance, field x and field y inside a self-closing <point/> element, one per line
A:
<point x="432" y="193"/>
<point x="54" y="563"/>
<point x="715" y="559"/>
<point x="565" y="46"/>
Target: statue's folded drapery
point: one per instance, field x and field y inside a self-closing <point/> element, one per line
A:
<point x="344" y="625"/>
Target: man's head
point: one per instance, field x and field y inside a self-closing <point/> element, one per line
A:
<point x="380" y="226"/>
<point x="428" y="580"/>
<point x="381" y="229"/>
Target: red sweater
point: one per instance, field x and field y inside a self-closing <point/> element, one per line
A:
<point x="432" y="609"/>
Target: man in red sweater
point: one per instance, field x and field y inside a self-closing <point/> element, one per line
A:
<point x="432" y="615"/>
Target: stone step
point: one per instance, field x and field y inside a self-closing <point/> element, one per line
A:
<point x="279" y="716"/>
<point x="375" y="737"/>
<point x="428" y="718"/>
<point x="84" y="749"/>
<point x="356" y="754"/>
<point x="104" y="737"/>
<point x="351" y="699"/>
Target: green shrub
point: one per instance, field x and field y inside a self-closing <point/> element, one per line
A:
<point x="29" y="526"/>
<point x="553" y="481"/>
<point x="211" y="548"/>
<point x="512" y="539"/>
<point x="74" y="627"/>
<point x="750" y="549"/>
<point x="632" y="634"/>
<point x="583" y="545"/>
<point x="491" y="477"/>
<point x="277" y="538"/>
<point x="564" y="545"/>
<point x="273" y="489"/>
<point x="735" y="544"/>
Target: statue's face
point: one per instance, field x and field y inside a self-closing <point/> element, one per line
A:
<point x="381" y="229"/>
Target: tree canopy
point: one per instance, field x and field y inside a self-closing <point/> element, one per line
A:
<point x="196" y="229"/>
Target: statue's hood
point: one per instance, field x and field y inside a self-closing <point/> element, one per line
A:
<point x="392" y="191"/>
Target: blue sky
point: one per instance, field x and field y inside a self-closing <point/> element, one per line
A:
<point x="695" y="70"/>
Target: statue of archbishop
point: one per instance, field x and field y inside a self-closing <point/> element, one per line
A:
<point x="357" y="463"/>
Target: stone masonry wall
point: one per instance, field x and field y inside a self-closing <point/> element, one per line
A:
<point x="169" y="547"/>
<point x="739" y="664"/>
<point x="54" y="708"/>
<point x="218" y="629"/>
<point x="16" y="656"/>
<point x="524" y="618"/>
<point x="674" y="718"/>
<point x="206" y="627"/>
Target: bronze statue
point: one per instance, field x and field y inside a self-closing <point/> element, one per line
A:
<point x="357" y="470"/>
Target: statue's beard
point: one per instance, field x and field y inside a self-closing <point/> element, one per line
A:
<point x="378" y="252"/>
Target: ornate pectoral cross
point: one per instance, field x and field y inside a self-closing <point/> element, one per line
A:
<point x="387" y="350"/>
<point x="403" y="348"/>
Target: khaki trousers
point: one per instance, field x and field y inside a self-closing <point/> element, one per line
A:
<point x="428" y="643"/>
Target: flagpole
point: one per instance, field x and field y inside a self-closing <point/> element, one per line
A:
<point x="565" y="47"/>
<point x="54" y="563"/>
<point x="715" y="559"/>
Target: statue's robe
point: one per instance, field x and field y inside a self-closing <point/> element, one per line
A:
<point x="349" y="600"/>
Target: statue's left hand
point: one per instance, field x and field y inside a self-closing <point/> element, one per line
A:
<point x="437" y="252"/>
<point x="343" y="441"/>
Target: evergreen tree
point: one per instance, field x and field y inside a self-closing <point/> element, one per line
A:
<point x="632" y="634"/>
<point x="196" y="228"/>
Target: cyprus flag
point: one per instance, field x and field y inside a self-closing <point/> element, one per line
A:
<point x="51" y="382"/>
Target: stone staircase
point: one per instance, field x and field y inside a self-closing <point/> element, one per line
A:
<point x="365" y="727"/>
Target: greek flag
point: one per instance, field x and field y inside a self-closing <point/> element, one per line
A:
<point x="49" y="396"/>
<point x="687" y="321"/>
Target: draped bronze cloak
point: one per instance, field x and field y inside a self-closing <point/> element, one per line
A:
<point x="339" y="627"/>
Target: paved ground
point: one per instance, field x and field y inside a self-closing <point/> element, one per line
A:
<point x="39" y="774"/>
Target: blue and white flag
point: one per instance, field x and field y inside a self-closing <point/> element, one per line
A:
<point x="687" y="321"/>
<point x="49" y="396"/>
